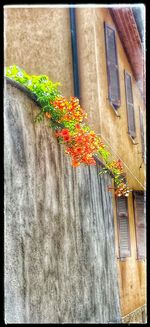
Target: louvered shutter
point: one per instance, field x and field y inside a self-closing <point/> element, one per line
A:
<point x="123" y="227"/>
<point x="142" y="132"/>
<point x="140" y="224"/>
<point x="112" y="66"/>
<point x="130" y="106"/>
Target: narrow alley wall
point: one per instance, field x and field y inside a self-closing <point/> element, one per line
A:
<point x="59" y="228"/>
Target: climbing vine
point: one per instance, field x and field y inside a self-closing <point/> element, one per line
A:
<point x="69" y="123"/>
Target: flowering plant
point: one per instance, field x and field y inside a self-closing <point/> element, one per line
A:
<point x="67" y="119"/>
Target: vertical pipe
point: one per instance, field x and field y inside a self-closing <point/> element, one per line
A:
<point x="74" y="52"/>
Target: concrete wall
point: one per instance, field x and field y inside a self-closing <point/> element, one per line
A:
<point x="60" y="261"/>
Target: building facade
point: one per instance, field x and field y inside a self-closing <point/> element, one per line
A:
<point x="97" y="55"/>
<point x="96" y="86"/>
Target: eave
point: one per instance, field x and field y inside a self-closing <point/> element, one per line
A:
<point x="129" y="35"/>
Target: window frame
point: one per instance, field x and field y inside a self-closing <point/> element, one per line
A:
<point x="114" y="105"/>
<point x="123" y="258"/>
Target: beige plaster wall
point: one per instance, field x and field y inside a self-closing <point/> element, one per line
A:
<point x="94" y="91"/>
<point x="39" y="41"/>
<point x="94" y="96"/>
<point x="131" y="272"/>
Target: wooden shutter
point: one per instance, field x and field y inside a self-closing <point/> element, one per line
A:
<point x="123" y="227"/>
<point x="142" y="132"/>
<point x="130" y="106"/>
<point x="140" y="224"/>
<point x="112" y="66"/>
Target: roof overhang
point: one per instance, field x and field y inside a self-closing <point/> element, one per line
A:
<point x="129" y="35"/>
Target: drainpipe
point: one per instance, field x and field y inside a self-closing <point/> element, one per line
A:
<point x="74" y="52"/>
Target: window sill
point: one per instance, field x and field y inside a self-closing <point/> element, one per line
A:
<point x="123" y="259"/>
<point x="115" y="111"/>
<point x="133" y="141"/>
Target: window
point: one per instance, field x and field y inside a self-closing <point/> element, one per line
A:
<point x="112" y="67"/>
<point x="140" y="224"/>
<point x="130" y="106"/>
<point x="142" y="132"/>
<point x="123" y="227"/>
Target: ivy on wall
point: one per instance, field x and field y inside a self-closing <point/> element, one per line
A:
<point x="69" y="123"/>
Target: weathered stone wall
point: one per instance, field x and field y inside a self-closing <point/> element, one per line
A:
<point x="59" y="229"/>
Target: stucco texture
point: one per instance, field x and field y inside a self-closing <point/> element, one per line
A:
<point x="60" y="261"/>
<point x="94" y="97"/>
<point x="132" y="273"/>
<point x="94" y="92"/>
<point x="39" y="41"/>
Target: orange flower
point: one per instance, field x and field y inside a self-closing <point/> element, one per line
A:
<point x="48" y="115"/>
<point x="91" y="161"/>
<point x="82" y="144"/>
<point x="119" y="164"/>
<point x="65" y="132"/>
<point x="75" y="163"/>
<point x="92" y="133"/>
<point x="67" y="138"/>
<point x="102" y="145"/>
<point x="79" y="150"/>
<point x="57" y="134"/>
